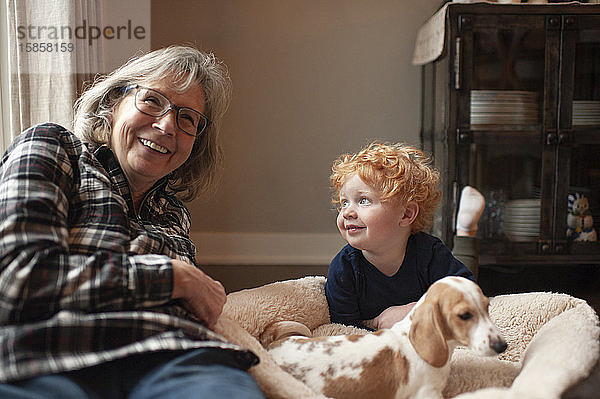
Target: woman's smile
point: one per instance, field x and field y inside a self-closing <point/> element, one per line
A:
<point x="154" y="146"/>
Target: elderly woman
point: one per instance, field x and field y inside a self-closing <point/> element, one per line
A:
<point x="100" y="296"/>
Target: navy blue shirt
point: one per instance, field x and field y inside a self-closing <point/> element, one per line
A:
<point x="357" y="291"/>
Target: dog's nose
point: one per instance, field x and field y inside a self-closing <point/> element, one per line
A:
<point x="499" y="346"/>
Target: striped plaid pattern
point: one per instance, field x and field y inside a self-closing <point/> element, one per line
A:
<point x="83" y="278"/>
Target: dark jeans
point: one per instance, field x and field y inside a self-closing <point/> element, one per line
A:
<point x="199" y="373"/>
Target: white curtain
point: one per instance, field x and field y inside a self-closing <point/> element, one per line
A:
<point x="47" y="63"/>
<point x="5" y="128"/>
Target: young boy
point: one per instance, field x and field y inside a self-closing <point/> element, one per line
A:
<point x="386" y="196"/>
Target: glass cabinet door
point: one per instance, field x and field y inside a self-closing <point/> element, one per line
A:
<point x="528" y="136"/>
<point x="501" y="121"/>
<point x="578" y="146"/>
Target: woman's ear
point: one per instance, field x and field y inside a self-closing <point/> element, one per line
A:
<point x="411" y="210"/>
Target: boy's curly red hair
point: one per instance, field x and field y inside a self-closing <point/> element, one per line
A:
<point x="400" y="172"/>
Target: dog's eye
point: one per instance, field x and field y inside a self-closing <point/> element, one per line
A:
<point x="465" y="316"/>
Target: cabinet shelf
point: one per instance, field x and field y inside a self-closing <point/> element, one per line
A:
<point x="496" y="252"/>
<point x="586" y="135"/>
<point x="502" y="134"/>
<point x="537" y="260"/>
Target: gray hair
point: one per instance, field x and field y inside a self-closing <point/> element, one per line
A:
<point x="185" y="67"/>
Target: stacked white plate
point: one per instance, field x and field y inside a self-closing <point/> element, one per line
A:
<point x="504" y="107"/>
<point x="586" y="113"/>
<point x="522" y="220"/>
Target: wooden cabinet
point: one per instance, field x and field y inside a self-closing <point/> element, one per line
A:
<point x="511" y="106"/>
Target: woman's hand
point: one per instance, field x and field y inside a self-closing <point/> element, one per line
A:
<point x="392" y="315"/>
<point x="201" y="295"/>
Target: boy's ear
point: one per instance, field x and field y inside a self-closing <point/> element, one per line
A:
<point x="411" y="210"/>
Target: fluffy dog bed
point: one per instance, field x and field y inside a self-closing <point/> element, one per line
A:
<point x="553" y="341"/>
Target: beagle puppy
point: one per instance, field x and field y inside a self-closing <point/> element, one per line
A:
<point x="409" y="360"/>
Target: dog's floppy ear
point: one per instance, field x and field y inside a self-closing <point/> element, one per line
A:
<point x="426" y="334"/>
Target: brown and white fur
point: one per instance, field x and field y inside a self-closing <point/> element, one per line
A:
<point x="409" y="360"/>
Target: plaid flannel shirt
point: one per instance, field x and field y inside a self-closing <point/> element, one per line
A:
<point x="83" y="278"/>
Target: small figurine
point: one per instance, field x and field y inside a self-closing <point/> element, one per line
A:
<point x="579" y="219"/>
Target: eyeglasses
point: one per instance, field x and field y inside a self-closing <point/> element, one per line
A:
<point x="153" y="103"/>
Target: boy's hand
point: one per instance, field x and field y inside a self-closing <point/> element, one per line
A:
<point x="392" y="315"/>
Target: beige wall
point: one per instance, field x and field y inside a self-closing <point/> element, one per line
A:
<point x="312" y="79"/>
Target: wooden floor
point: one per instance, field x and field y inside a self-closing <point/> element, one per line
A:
<point x="579" y="281"/>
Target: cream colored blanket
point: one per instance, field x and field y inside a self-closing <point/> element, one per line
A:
<point x="553" y="341"/>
